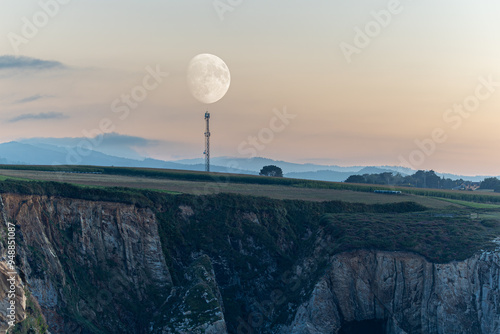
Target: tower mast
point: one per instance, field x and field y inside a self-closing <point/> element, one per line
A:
<point x="207" y="142"/>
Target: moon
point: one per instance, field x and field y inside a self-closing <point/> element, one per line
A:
<point x="208" y="78"/>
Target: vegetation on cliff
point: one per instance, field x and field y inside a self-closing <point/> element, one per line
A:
<point x="226" y="253"/>
<point x="220" y="178"/>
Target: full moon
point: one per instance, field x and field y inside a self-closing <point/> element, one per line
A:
<point x="208" y="78"/>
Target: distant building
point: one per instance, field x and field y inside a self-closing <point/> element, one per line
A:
<point x="391" y="192"/>
<point x="471" y="186"/>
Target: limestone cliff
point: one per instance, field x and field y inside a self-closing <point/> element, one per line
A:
<point x="12" y="298"/>
<point x="227" y="264"/>
<point x="407" y="292"/>
<point x="98" y="263"/>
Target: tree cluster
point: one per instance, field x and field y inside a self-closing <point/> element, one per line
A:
<point x="421" y="179"/>
<point x="491" y="183"/>
<point x="271" y="170"/>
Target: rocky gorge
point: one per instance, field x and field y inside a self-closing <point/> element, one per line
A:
<point x="234" y="264"/>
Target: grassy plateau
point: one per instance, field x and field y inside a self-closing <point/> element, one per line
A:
<point x="453" y="219"/>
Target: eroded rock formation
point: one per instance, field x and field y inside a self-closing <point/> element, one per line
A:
<point x="104" y="267"/>
<point x="411" y="294"/>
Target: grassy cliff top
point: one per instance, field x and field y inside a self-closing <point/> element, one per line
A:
<point x="441" y="235"/>
<point x="202" y="183"/>
<point x="440" y="225"/>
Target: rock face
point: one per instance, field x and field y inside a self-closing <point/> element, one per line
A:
<point x="12" y="298"/>
<point x="95" y="260"/>
<point x="198" y="299"/>
<point x="12" y="294"/>
<point x="103" y="267"/>
<point x="411" y="294"/>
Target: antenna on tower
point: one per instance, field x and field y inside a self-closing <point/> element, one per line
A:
<point x="207" y="142"/>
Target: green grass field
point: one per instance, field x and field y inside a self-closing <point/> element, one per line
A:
<point x="438" y="238"/>
<point x="472" y="205"/>
<point x="222" y="183"/>
<point x="202" y="183"/>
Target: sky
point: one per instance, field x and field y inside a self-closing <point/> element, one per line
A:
<point x="409" y="83"/>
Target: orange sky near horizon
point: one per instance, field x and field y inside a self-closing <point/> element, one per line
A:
<point x="368" y="82"/>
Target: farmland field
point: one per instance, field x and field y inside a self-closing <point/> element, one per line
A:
<point x="221" y="185"/>
<point x="472" y="204"/>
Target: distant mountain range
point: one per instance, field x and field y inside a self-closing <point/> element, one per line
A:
<point x="35" y="152"/>
<point x="317" y="172"/>
<point x="45" y="154"/>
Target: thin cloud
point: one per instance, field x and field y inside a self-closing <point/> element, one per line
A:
<point x="108" y="139"/>
<point x="114" y="138"/>
<point x="41" y="116"/>
<point x="114" y="144"/>
<point x="30" y="98"/>
<point x="27" y="63"/>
